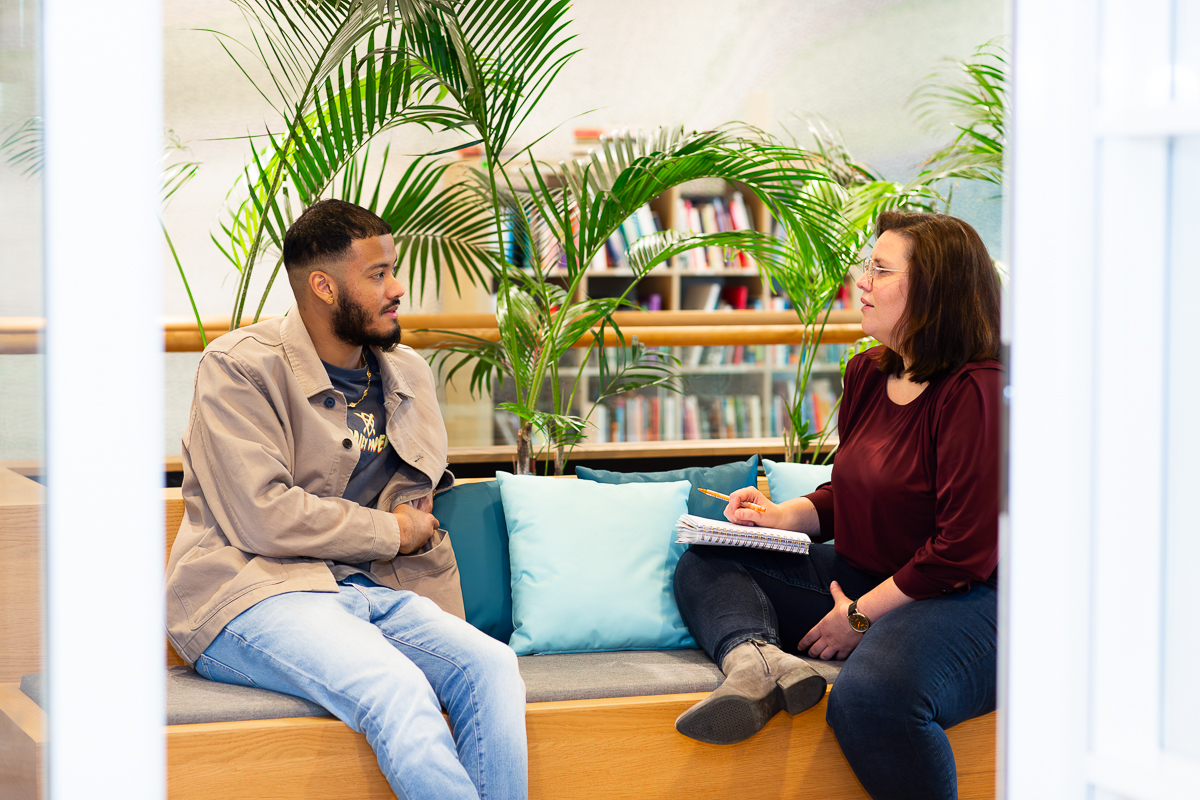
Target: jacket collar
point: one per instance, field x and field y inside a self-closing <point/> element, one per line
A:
<point x="310" y="371"/>
<point x="394" y="380"/>
<point x="302" y="355"/>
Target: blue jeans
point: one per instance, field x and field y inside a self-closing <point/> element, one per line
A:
<point x="385" y="662"/>
<point x="924" y="667"/>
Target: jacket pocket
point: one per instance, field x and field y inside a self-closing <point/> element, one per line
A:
<point x="206" y="581"/>
<point x="433" y="572"/>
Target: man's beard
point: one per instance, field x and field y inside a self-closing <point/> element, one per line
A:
<point x="351" y="324"/>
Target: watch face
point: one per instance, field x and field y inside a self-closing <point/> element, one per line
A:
<point x="858" y="622"/>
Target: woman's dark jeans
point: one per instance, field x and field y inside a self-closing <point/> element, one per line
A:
<point x="924" y="667"/>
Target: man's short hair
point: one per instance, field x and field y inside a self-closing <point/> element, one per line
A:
<point x="328" y="229"/>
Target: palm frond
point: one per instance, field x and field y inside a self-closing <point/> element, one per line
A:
<point x="858" y="193"/>
<point x="339" y="109"/>
<point x="557" y="429"/>
<point x="302" y="44"/>
<point x="632" y="169"/>
<point x="522" y="334"/>
<point x="175" y="175"/>
<point x="626" y="369"/>
<point x="579" y="205"/>
<point x="431" y="225"/>
<point x="516" y="48"/>
<point x="24" y="146"/>
<point x="487" y="359"/>
<point x="972" y="95"/>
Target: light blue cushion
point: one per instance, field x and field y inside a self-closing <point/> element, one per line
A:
<point x="787" y="481"/>
<point x="592" y="564"/>
<point x="726" y="479"/>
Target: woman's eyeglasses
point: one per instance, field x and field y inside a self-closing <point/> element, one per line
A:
<point x="870" y="271"/>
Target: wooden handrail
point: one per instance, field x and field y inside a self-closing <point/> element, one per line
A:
<point x="682" y="336"/>
<point x="653" y="328"/>
<point x="637" y="318"/>
<point x="499" y="453"/>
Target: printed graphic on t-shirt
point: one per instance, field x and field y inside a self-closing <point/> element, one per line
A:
<point x="366" y="438"/>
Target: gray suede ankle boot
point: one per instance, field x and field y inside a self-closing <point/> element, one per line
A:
<point x="760" y="681"/>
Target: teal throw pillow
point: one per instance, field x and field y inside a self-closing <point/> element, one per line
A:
<point x="474" y="516"/>
<point x="787" y="481"/>
<point x="726" y="479"/>
<point x="592" y="564"/>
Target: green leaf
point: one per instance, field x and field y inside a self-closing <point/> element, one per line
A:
<point x="24" y="147"/>
<point x="971" y="95"/>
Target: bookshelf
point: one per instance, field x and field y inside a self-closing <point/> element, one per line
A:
<point x="732" y="391"/>
<point x="681" y="283"/>
<point x="727" y="392"/>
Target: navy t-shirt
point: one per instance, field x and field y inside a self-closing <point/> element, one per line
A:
<point x="377" y="462"/>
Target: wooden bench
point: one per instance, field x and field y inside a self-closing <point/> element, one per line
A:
<point x="608" y="748"/>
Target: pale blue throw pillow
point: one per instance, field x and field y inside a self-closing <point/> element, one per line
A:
<point x="787" y="481"/>
<point x="592" y="564"/>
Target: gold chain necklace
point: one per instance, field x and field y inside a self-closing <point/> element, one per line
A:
<point x="368" y="366"/>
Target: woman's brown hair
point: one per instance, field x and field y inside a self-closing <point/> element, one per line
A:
<point x="952" y="315"/>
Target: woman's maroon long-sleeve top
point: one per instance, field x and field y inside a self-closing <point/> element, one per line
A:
<point x="915" y="490"/>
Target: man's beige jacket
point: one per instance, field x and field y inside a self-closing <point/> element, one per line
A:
<point x="266" y="458"/>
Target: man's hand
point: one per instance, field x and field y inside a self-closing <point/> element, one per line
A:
<point x="416" y="524"/>
<point x="832" y="637"/>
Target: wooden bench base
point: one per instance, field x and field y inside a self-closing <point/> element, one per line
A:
<point x="581" y="749"/>
<point x="578" y="750"/>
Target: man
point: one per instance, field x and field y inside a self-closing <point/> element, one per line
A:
<point x="310" y="461"/>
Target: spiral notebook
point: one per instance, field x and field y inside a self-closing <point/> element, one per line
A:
<point x="697" y="530"/>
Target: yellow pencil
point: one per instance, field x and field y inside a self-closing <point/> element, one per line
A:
<point x="719" y="496"/>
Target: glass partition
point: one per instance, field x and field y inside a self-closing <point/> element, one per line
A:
<point x="1181" y="643"/>
<point x="22" y="434"/>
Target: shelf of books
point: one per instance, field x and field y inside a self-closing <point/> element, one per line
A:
<point x="730" y="392"/>
<point x="703" y="279"/>
<point x="725" y="392"/>
<point x="716" y="397"/>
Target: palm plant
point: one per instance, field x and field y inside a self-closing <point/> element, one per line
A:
<point x="972" y="94"/>
<point x="858" y="195"/>
<point x="346" y="70"/>
<point x="582" y="205"/>
<point x="23" y="146"/>
<point x="174" y="177"/>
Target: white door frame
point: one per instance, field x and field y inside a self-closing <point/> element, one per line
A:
<point x="102" y="104"/>
<point x="1084" y="615"/>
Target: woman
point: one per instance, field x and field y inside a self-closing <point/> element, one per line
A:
<point x="907" y="594"/>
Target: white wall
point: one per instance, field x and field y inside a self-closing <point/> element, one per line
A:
<point x="696" y="63"/>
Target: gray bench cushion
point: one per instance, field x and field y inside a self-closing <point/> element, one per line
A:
<point x="192" y="699"/>
<point x="627" y="673"/>
<point x="580" y="676"/>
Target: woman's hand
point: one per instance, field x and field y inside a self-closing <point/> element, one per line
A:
<point x="797" y="514"/>
<point x="832" y="637"/>
<point x="738" y="511"/>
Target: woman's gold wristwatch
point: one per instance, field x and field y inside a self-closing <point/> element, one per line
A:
<point x="858" y="622"/>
